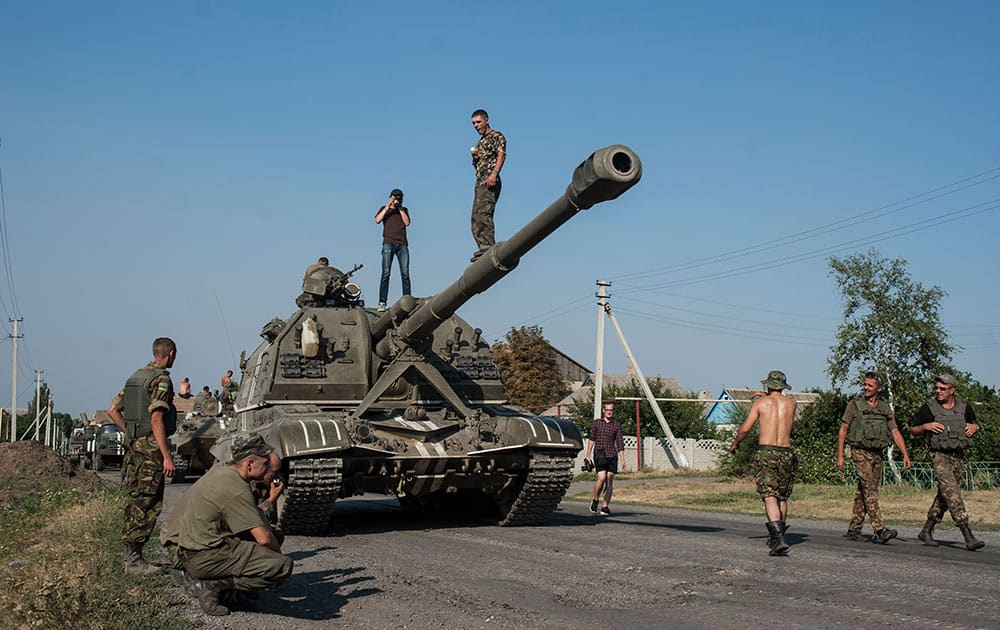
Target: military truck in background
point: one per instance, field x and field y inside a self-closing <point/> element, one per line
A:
<point x="98" y="444"/>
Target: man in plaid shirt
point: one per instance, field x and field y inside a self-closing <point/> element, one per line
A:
<point x="605" y="440"/>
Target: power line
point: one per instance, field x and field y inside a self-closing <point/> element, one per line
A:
<point x="6" y="246"/>
<point x="834" y="226"/>
<point x="917" y="226"/>
<point x="742" y="320"/>
<point x="737" y="332"/>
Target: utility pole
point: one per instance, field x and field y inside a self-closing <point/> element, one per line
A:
<point x="604" y="310"/>
<point x="602" y="305"/>
<point x="38" y="402"/>
<point x="13" y="382"/>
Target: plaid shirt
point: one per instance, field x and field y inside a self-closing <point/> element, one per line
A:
<point x="607" y="436"/>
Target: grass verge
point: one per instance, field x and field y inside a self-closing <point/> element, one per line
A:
<point x="900" y="504"/>
<point x="60" y="565"/>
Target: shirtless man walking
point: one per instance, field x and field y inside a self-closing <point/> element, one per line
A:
<point x="775" y="459"/>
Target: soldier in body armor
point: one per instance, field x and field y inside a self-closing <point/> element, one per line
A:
<point x="145" y="411"/>
<point x="869" y="426"/>
<point x="948" y="423"/>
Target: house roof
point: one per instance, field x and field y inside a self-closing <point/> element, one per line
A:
<point x="744" y="394"/>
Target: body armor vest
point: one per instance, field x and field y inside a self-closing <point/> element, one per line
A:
<point x="138" y="420"/>
<point x="870" y="427"/>
<point x="953" y="437"/>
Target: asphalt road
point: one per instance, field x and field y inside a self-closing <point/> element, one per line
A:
<point x="640" y="567"/>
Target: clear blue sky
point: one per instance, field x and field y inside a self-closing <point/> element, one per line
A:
<point x="170" y="168"/>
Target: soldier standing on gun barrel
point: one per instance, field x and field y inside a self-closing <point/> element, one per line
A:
<point x="869" y="426"/>
<point x="948" y="423"/>
<point x="144" y="409"/>
<point x="776" y="461"/>
<point x="488" y="157"/>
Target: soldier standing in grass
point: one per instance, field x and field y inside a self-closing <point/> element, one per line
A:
<point x="144" y="409"/>
<point x="776" y="461"/>
<point x="869" y="425"/>
<point x="948" y="423"/>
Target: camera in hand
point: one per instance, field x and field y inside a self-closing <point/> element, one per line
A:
<point x="587" y="466"/>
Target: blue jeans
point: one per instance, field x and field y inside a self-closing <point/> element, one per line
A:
<point x="402" y="254"/>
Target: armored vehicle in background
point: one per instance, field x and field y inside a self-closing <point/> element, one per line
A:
<point x="196" y="434"/>
<point x="409" y="402"/>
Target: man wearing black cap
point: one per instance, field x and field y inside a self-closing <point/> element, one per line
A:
<point x="776" y="461"/>
<point x="948" y="423"/>
<point x="220" y="537"/>
<point x="394" y="218"/>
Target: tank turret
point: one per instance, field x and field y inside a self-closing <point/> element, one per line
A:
<point x="409" y="402"/>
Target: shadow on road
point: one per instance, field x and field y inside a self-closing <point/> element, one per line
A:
<point x="317" y="595"/>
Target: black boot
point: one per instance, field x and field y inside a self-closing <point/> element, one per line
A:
<point x="884" y="535"/>
<point x="210" y="595"/>
<point x="926" y="534"/>
<point x="970" y="541"/>
<point x="776" y="539"/>
<point x="135" y="564"/>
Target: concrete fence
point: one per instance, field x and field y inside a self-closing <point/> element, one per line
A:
<point x="700" y="454"/>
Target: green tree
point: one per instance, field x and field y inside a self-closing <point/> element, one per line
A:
<point x="891" y="323"/>
<point x="527" y="365"/>
<point x="685" y="419"/>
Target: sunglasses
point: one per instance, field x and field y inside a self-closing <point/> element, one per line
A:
<point x="942" y="388"/>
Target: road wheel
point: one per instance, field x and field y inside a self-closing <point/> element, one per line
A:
<point x="98" y="462"/>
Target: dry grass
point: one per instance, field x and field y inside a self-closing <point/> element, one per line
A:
<point x="61" y="562"/>
<point x="900" y="504"/>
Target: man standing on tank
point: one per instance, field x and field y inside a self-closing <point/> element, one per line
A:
<point x="606" y="442"/>
<point x="776" y="462"/>
<point x="394" y="218"/>
<point x="869" y="426"/>
<point x="948" y="423"/>
<point x="488" y="157"/>
<point x="144" y="409"/>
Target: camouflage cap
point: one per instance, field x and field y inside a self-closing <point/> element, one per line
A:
<point x="250" y="444"/>
<point x="947" y="379"/>
<point x="775" y="380"/>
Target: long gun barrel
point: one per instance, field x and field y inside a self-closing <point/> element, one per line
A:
<point x="603" y="176"/>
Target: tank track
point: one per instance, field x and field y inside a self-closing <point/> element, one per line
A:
<point x="549" y="476"/>
<point x="313" y="485"/>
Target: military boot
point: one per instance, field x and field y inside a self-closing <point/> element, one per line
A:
<point x="926" y="534"/>
<point x="776" y="539"/>
<point x="855" y="535"/>
<point x="210" y="595"/>
<point x="134" y="562"/>
<point x="884" y="535"/>
<point x="970" y="541"/>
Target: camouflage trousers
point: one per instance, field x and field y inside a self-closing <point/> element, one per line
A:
<point x="868" y="465"/>
<point x="144" y="484"/>
<point x="483" y="205"/>
<point x="776" y="466"/>
<point x="948" y="468"/>
<point x="252" y="566"/>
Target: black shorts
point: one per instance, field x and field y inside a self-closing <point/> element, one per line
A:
<point x="608" y="465"/>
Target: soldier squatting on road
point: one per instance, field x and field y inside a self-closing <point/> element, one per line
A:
<point x="220" y="541"/>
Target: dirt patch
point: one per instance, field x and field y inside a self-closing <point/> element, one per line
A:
<point x="27" y="467"/>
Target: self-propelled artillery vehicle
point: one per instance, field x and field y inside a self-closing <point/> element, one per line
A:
<point x="409" y="402"/>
